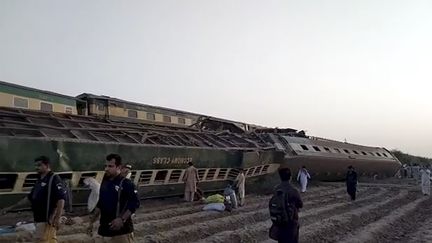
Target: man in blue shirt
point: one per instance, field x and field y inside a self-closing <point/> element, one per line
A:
<point x="118" y="200"/>
<point x="47" y="199"/>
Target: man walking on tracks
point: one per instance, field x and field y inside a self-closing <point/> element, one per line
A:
<point x="351" y="182"/>
<point x="284" y="207"/>
<point x="47" y="199"/>
<point x="190" y="179"/>
<point x="118" y="200"/>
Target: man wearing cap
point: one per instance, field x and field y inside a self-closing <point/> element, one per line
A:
<point x="126" y="171"/>
<point x="47" y="199"/>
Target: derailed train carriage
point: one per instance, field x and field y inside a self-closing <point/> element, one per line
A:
<point x="78" y="132"/>
<point x="77" y="146"/>
<point x="327" y="160"/>
<point x="159" y="154"/>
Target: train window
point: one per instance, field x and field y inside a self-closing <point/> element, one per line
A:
<point x="210" y="174"/>
<point x="30" y="180"/>
<point x="67" y="176"/>
<point x="151" y="116"/>
<point x="355" y="152"/>
<point x="378" y="154"/>
<point x="167" y="119"/>
<point x="46" y="107"/>
<point x="132" y="114"/>
<point x="7" y="181"/>
<point x="327" y="149"/>
<point x="337" y="150"/>
<point x="101" y="107"/>
<point x="364" y="153"/>
<point x="201" y="173"/>
<point x="175" y="176"/>
<point x="68" y="110"/>
<point x="346" y="151"/>
<point x="371" y="153"/>
<point x="222" y="174"/>
<point x="160" y="176"/>
<point x="145" y="177"/>
<point x="181" y="120"/>
<point x="316" y="148"/>
<point x="233" y="173"/>
<point x="251" y="171"/>
<point x="20" y="102"/>
<point x="258" y="170"/>
<point x="133" y="175"/>
<point x="304" y="147"/>
<point x="265" y="169"/>
<point x="385" y="154"/>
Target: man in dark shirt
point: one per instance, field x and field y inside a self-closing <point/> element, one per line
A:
<point x="289" y="232"/>
<point x="47" y="199"/>
<point x="118" y="200"/>
<point x="351" y="182"/>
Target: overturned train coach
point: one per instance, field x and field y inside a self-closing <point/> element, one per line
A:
<point x="159" y="154"/>
<point x="77" y="146"/>
<point x="327" y="160"/>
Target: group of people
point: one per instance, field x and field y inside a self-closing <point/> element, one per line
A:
<point x="286" y="203"/>
<point x="421" y="174"/>
<point x="351" y="180"/>
<point x="117" y="200"/>
<point x="113" y="202"/>
<point x="191" y="180"/>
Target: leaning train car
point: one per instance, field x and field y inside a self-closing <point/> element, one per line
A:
<point x="117" y="109"/>
<point x="327" y="160"/>
<point x="122" y="110"/>
<point x="77" y="146"/>
<point x="22" y="97"/>
<point x="104" y="107"/>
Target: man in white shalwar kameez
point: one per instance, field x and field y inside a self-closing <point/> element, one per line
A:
<point x="303" y="176"/>
<point x="190" y="179"/>
<point x="241" y="180"/>
<point x="425" y="181"/>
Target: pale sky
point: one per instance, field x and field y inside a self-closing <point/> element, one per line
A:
<point x="339" y="69"/>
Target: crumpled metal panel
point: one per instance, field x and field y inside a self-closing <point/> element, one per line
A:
<point x="55" y="126"/>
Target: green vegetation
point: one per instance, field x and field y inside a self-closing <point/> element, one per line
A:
<point x="405" y="158"/>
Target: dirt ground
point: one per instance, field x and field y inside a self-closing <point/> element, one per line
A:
<point x="385" y="211"/>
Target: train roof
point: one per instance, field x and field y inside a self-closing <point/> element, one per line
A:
<point x="104" y="97"/>
<point x="19" y="90"/>
<point x="21" y="123"/>
<point x="108" y="98"/>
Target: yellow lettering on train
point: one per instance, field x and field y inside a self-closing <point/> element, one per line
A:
<point x="171" y="161"/>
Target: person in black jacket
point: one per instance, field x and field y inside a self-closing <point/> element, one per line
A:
<point x="287" y="232"/>
<point x="351" y="182"/>
<point x="118" y="200"/>
<point x="47" y="199"/>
